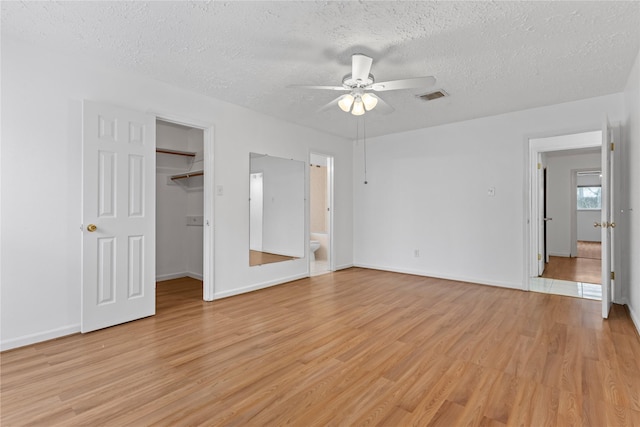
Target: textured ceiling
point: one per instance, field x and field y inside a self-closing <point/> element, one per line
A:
<point x="491" y="57"/>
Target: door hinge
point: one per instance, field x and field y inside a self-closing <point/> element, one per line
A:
<point x="539" y="165"/>
<point x="539" y="257"/>
<point x="613" y="145"/>
<point x="613" y="275"/>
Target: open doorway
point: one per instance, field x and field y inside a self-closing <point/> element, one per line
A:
<point x="568" y="261"/>
<point x="572" y="201"/>
<point x="179" y="208"/>
<point x="320" y="214"/>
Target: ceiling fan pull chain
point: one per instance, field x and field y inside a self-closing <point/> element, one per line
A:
<point x="364" y="137"/>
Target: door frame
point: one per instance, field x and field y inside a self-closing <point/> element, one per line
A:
<point x="545" y="207"/>
<point x="535" y="146"/>
<point x="330" y="188"/>
<point x="208" y="238"/>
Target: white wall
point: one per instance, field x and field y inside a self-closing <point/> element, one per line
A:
<point x="586" y="231"/>
<point x="630" y="218"/>
<point x="428" y="190"/>
<point x="171" y="257"/>
<point x="41" y="144"/>
<point x="559" y="197"/>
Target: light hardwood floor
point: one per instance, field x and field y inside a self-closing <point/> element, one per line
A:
<point x="356" y="347"/>
<point x="586" y="267"/>
<point x="589" y="249"/>
<point x="585" y="270"/>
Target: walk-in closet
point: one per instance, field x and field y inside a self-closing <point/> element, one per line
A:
<point x="179" y="201"/>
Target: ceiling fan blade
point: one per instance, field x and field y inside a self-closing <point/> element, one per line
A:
<point x="382" y="106"/>
<point x="419" y="82"/>
<point x="360" y="67"/>
<point x="330" y="105"/>
<point x="318" y="87"/>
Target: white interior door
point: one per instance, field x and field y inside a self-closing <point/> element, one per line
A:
<point x="606" y="219"/>
<point x="118" y="215"/>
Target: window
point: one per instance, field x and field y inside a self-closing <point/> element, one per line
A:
<point x="589" y="198"/>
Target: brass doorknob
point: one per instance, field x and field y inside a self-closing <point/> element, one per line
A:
<point x="597" y="224"/>
<point x="91" y="228"/>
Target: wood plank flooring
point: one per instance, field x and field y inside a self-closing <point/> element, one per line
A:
<point x="355" y="347"/>
<point x="585" y="268"/>
<point x="589" y="249"/>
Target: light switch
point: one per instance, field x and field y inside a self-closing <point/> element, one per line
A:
<point x="219" y="190"/>
<point x="491" y="192"/>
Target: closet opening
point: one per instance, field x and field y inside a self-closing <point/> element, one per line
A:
<point x="180" y="218"/>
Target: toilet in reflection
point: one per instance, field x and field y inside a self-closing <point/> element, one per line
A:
<point x="313" y="247"/>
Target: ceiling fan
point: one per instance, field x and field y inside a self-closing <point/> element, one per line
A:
<point x="359" y="85"/>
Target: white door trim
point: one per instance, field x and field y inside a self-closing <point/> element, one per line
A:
<point x="330" y="170"/>
<point x="330" y="188"/>
<point x="208" y="240"/>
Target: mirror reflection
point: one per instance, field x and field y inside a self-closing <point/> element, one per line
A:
<point x="276" y="209"/>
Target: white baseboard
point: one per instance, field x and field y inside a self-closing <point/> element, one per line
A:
<point x="496" y="283"/>
<point x="163" y="277"/>
<point x="72" y="329"/>
<point x="38" y="337"/>
<point x="255" y="287"/>
<point x="634" y="317"/>
<point x="560" y="254"/>
<point x="343" y="266"/>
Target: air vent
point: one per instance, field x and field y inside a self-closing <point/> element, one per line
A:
<point x="433" y="95"/>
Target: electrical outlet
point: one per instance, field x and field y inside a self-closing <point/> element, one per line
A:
<point x="416" y="253"/>
<point x="491" y="192"/>
<point x="219" y="190"/>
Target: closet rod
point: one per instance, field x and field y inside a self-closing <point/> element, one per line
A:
<point x="176" y="152"/>
<point x="188" y="175"/>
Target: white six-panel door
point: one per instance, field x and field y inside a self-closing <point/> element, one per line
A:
<point x="118" y="204"/>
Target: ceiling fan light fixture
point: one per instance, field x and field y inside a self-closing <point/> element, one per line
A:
<point x="346" y="102"/>
<point x="370" y="101"/>
<point x="358" y="107"/>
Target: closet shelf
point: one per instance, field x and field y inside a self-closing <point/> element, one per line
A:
<point x="176" y="152"/>
<point x="189" y="174"/>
